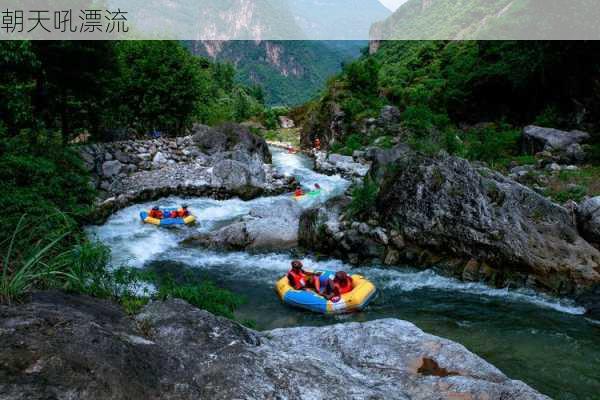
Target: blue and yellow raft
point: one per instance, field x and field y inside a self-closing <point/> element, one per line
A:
<point x="190" y="219"/>
<point x="353" y="301"/>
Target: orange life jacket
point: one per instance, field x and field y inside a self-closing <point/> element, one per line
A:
<point x="343" y="287"/>
<point x="297" y="279"/>
<point x="181" y="213"/>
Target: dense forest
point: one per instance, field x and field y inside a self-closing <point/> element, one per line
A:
<point x="441" y="87"/>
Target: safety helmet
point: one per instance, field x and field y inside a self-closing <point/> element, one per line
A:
<point x="341" y="276"/>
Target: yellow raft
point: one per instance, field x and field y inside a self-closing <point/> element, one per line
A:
<point x="190" y="219"/>
<point x="353" y="301"/>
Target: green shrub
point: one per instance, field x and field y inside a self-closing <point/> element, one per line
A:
<point x="363" y="198"/>
<point x="205" y="295"/>
<point x="492" y="144"/>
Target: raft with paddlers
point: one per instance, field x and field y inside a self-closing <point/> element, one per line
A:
<point x="161" y="216"/>
<point x="355" y="300"/>
<point x="299" y="194"/>
<point x="312" y="193"/>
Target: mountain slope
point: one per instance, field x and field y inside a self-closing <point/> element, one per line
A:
<point x="291" y="72"/>
<point x="490" y="19"/>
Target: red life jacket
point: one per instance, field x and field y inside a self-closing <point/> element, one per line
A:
<point x="156" y="214"/>
<point x="298" y="193"/>
<point x="297" y="279"/>
<point x="343" y="287"/>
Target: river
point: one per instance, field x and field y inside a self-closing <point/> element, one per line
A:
<point x="543" y="341"/>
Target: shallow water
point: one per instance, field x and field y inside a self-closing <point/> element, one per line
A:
<point x="543" y="341"/>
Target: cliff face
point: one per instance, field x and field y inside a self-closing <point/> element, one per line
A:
<point x="62" y="346"/>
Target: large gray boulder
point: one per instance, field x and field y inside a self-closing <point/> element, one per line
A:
<point x="231" y="174"/>
<point x="111" y="168"/>
<point x="229" y="137"/>
<point x="537" y="138"/>
<point x="74" y="347"/>
<point x="448" y="206"/>
<point x="272" y="226"/>
<point x="588" y="219"/>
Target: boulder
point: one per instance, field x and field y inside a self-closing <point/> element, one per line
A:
<point x="228" y="137"/>
<point x="389" y="115"/>
<point x="536" y="139"/>
<point x="286" y="122"/>
<point x="339" y="164"/>
<point x="272" y="226"/>
<point x="588" y="219"/>
<point x="447" y="206"/>
<point x="111" y="168"/>
<point x="231" y="174"/>
<point x="74" y="347"/>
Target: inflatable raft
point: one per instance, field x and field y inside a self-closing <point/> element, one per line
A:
<point x="190" y="219"/>
<point x="356" y="300"/>
<point x="308" y="195"/>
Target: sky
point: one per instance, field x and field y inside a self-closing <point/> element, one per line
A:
<point x="393" y="4"/>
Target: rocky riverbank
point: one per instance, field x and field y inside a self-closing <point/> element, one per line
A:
<point x="222" y="162"/>
<point x="64" y="346"/>
<point x="466" y="221"/>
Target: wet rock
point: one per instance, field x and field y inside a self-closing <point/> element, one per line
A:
<point x="270" y="227"/>
<point x="588" y="219"/>
<point x="536" y="139"/>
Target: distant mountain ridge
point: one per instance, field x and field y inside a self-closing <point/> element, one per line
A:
<point x="490" y="19"/>
<point x="291" y="72"/>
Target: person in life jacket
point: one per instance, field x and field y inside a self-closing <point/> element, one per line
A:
<point x="156" y="213"/>
<point x="183" y="211"/>
<point x="317" y="144"/>
<point x="340" y="284"/>
<point x="298" y="192"/>
<point x="301" y="280"/>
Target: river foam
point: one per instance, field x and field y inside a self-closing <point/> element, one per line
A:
<point x="135" y="244"/>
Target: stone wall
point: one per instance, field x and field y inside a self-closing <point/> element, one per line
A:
<point x="111" y="161"/>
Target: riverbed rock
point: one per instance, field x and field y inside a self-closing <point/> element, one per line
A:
<point x="269" y="226"/>
<point x="536" y="139"/>
<point x="74" y="347"/>
<point x="448" y="206"/>
<point x="588" y="219"/>
<point x="346" y="166"/>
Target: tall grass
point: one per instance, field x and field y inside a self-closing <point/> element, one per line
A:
<point x="38" y="265"/>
